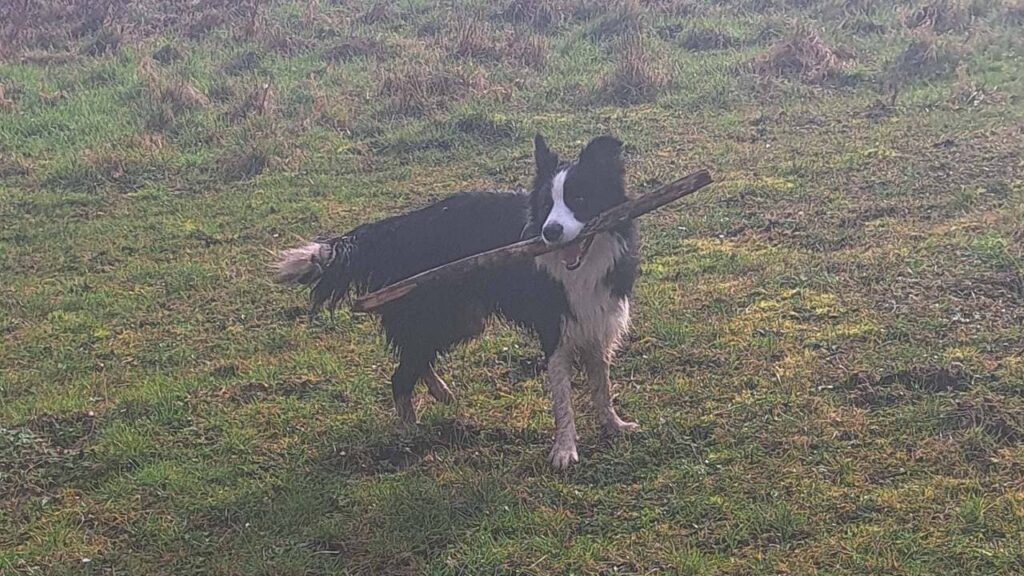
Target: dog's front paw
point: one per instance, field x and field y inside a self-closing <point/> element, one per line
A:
<point x="563" y="456"/>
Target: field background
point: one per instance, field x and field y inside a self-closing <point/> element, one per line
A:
<point x="826" y="357"/>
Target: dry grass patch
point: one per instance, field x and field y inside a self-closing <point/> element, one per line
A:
<point x="355" y="47"/>
<point x="701" y="39"/>
<point x="803" y="55"/>
<point x="125" y="168"/>
<point x="106" y="41"/>
<point x="942" y="16"/>
<point x="380" y="12"/>
<point x="14" y="166"/>
<point x="475" y="38"/>
<point x="639" y="74"/>
<point x="166" y="98"/>
<point x="540" y="14"/>
<point x="530" y="50"/>
<point x="168" y="54"/>
<point x="426" y="83"/>
<point x="330" y="109"/>
<point x="259" y="101"/>
<point x="259" y="145"/>
<point x="1000" y="417"/>
<point x="1013" y="13"/>
<point x="676" y="8"/>
<point x="242" y="63"/>
<point x="924" y="58"/>
<point x="969" y="93"/>
<point x="177" y="92"/>
<point x="623" y="18"/>
<point x="6" y="104"/>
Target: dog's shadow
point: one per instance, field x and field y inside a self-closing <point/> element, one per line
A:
<point x="399" y="449"/>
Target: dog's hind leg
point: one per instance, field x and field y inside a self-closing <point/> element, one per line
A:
<point x="437" y="388"/>
<point x="596" y="362"/>
<point x="402" y="383"/>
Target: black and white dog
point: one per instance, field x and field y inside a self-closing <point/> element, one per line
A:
<point x="576" y="299"/>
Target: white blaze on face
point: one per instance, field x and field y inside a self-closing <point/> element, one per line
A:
<point x="561" y="213"/>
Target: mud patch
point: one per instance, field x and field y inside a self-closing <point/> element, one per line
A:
<point x="67" y="432"/>
<point x="33" y="462"/>
<point x="869" y="391"/>
<point x="394" y="454"/>
<point x="355" y="47"/>
<point x="999" y="417"/>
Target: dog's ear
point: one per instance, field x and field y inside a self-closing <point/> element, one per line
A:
<point x="602" y="151"/>
<point x="546" y="160"/>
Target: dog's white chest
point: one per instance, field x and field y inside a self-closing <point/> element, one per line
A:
<point x="599" y="318"/>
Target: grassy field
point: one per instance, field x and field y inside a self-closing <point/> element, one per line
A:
<point x="827" y="357"/>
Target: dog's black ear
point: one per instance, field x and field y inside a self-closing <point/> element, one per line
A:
<point x="602" y="151"/>
<point x="546" y="160"/>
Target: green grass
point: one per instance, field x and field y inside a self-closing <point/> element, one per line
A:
<point x="826" y="353"/>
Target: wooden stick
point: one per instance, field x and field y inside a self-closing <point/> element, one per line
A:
<point x="535" y="246"/>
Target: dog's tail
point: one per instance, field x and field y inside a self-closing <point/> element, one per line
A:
<point x="325" y="265"/>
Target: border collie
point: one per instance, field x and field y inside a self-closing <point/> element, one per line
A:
<point x="576" y="298"/>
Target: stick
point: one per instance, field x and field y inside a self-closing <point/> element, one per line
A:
<point x="603" y="222"/>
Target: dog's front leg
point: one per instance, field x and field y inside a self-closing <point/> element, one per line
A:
<point x="558" y="382"/>
<point x="597" y="365"/>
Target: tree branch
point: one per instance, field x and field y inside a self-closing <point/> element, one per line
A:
<point x="603" y="222"/>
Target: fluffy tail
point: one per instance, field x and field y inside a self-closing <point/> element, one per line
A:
<point x="323" y="265"/>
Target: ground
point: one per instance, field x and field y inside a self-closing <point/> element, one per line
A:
<point x="826" y="354"/>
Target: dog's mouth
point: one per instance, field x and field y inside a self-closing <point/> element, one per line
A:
<point x="573" y="254"/>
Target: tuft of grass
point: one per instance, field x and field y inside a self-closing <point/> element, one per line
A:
<point x="639" y="75"/>
<point x="676" y="8"/>
<point x="1013" y="12"/>
<point x="540" y="14"/>
<point x="970" y="93"/>
<point x="484" y="125"/>
<point x="802" y="55"/>
<point x="1001" y="418"/>
<point x="168" y="54"/>
<point x="12" y="166"/>
<point x="6" y="104"/>
<point x="530" y="50"/>
<point x="623" y="18"/>
<point x="355" y="47"/>
<point x="941" y="16"/>
<point x="425" y="83"/>
<point x="925" y="57"/>
<point x="474" y="38"/>
<point x="106" y="41"/>
<point x="242" y="63"/>
<point x="380" y="12"/>
<point x="701" y="38"/>
<point x="260" y="101"/>
<point x="255" y="152"/>
<point x="169" y="96"/>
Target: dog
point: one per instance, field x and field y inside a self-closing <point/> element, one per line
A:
<point x="575" y="299"/>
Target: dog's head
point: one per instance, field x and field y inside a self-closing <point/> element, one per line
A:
<point x="567" y="195"/>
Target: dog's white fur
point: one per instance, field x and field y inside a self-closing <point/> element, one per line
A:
<point x="296" y="263"/>
<point x="560" y="212"/>
<point x="594" y="332"/>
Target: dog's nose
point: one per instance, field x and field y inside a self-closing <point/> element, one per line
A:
<point x="552" y="232"/>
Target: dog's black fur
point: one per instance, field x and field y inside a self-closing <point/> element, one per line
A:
<point x="430" y="321"/>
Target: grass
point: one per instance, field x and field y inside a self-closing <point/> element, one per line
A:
<point x="826" y="353"/>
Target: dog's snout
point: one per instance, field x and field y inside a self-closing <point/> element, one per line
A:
<point x="552" y="232"/>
